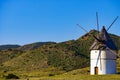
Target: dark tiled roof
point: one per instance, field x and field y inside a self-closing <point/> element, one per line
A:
<point x="104" y="42"/>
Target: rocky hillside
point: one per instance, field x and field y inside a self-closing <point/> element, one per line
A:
<point x="66" y="56"/>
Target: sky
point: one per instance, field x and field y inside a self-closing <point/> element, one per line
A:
<point x="27" y="21"/>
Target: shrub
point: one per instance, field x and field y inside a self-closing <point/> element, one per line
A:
<point x="12" y="76"/>
<point x="51" y="74"/>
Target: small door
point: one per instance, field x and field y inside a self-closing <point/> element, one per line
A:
<point x="96" y="70"/>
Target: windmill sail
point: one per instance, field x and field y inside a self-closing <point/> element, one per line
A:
<point x="97" y="21"/>
<point x="104" y="41"/>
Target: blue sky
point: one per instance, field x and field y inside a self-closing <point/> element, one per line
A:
<point x="28" y="21"/>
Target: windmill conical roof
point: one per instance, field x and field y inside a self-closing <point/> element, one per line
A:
<point x="104" y="41"/>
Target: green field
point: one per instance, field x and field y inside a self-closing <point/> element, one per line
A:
<point x="75" y="77"/>
<point x="79" y="74"/>
<point x="80" y="77"/>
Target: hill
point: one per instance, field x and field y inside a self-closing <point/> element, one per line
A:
<point x="34" y="45"/>
<point x="52" y="57"/>
<point x="3" y="47"/>
<point x="8" y="52"/>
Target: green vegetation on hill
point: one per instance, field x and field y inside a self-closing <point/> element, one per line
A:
<point x="50" y="58"/>
<point x="9" y="54"/>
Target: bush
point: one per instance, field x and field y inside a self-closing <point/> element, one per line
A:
<point x="12" y="76"/>
<point x="51" y="74"/>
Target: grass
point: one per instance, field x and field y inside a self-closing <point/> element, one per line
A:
<point x="79" y="74"/>
<point x="79" y="77"/>
<point x="32" y="74"/>
<point x="75" y="77"/>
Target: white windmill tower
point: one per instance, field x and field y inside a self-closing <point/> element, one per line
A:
<point x="103" y="52"/>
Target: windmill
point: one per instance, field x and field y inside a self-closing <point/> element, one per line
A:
<point x="103" y="52"/>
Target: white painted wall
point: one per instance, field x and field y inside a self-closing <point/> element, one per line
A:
<point x="106" y="62"/>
